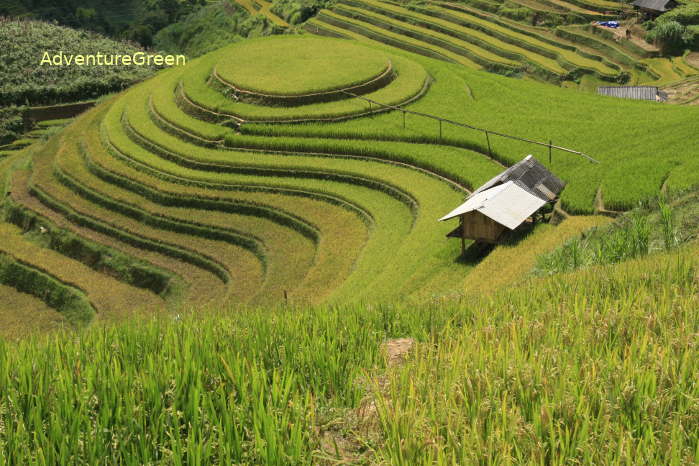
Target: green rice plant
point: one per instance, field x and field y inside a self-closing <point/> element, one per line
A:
<point x="539" y="374"/>
<point x="632" y="236"/>
<point x="668" y="224"/>
<point x="509" y="264"/>
<point x="593" y="366"/>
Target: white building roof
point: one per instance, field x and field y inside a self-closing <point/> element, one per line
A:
<point x="508" y="204"/>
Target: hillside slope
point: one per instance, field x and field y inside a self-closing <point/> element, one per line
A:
<point x="207" y="187"/>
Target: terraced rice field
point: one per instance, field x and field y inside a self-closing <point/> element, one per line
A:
<point x="206" y="185"/>
<point x="478" y="36"/>
<point x="262" y="7"/>
<point x="195" y="212"/>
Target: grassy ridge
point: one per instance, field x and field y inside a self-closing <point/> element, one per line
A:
<point x="108" y="296"/>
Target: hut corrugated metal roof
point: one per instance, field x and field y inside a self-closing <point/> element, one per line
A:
<point x="655" y="5"/>
<point x="530" y="175"/>
<point x="631" y="92"/>
<point x="509" y="204"/>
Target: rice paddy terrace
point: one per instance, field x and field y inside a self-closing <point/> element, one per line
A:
<point x="546" y="40"/>
<point x="253" y="175"/>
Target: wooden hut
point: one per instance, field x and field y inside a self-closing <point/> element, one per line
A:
<point x="505" y="202"/>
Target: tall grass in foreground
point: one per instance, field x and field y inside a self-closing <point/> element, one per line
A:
<point x="595" y="367"/>
<point x="598" y="367"/>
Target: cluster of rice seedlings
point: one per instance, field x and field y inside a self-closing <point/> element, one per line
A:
<point x="668" y="224"/>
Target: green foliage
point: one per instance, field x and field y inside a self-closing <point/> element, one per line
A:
<point x="670" y="34"/>
<point x="24" y="44"/>
<point x="665" y="225"/>
<point x="668" y="224"/>
<point x="11" y="124"/>
<point x="209" y="28"/>
<point x="123" y="19"/>
<point x="686" y="14"/>
<point x="611" y="245"/>
<point x="298" y="11"/>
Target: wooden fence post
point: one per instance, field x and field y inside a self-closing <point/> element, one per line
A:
<point x="403" y="119"/>
<point x="550" y="155"/>
<point x="490" y="151"/>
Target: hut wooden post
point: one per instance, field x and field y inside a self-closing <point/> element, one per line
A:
<point x="463" y="237"/>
